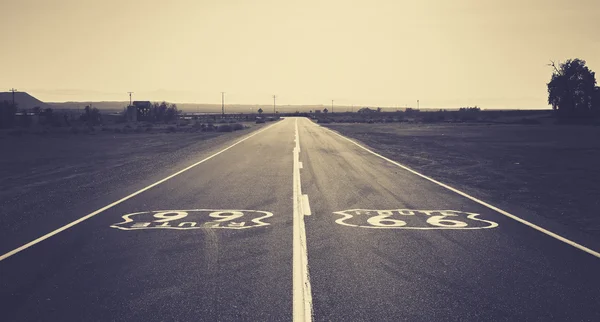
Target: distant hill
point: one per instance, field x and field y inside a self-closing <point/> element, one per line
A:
<point x="23" y="99"/>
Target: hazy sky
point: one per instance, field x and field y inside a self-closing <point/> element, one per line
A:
<point x="446" y="53"/>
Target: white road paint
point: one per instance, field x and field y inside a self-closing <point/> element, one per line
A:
<point x="194" y="219"/>
<point x="483" y="203"/>
<point x="306" y="206"/>
<point x="412" y="219"/>
<point x="90" y="215"/>
<point x="302" y="295"/>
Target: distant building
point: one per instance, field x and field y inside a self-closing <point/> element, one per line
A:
<point x="143" y="110"/>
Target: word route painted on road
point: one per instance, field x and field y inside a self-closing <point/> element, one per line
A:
<point x="193" y="219"/>
<point x="412" y="219"/>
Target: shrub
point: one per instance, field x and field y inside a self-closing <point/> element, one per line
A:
<point x="225" y="128"/>
<point x="25" y="120"/>
<point x="209" y="127"/>
<point x="91" y="116"/>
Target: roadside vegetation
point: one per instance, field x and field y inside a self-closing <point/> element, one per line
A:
<point x="159" y="118"/>
<point x="572" y="93"/>
<point x="461" y="115"/>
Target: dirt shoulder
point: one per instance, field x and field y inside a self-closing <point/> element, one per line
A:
<point x="42" y="174"/>
<point x="549" y="170"/>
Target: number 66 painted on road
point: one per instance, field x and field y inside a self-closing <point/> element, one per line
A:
<point x="412" y="219"/>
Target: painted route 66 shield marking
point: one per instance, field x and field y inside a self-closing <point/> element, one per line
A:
<point x="193" y="219"/>
<point x="412" y="219"/>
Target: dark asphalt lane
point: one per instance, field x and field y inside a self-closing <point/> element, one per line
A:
<point x="361" y="268"/>
<point x="510" y="272"/>
<point x="95" y="272"/>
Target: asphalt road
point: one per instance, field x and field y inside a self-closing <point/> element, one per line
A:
<point x="294" y="222"/>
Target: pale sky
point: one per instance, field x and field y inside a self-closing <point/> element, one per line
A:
<point x="445" y="53"/>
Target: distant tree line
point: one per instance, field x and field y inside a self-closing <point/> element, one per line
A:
<point x="159" y="112"/>
<point x="367" y="110"/>
<point x="572" y="90"/>
<point x="10" y="116"/>
<point x="91" y="116"/>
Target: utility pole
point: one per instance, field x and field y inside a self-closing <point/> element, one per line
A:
<point x="223" y="103"/>
<point x="417" y="104"/>
<point x="274" y="97"/>
<point x="130" y="102"/>
<point x="331" y="106"/>
<point x="13" y="95"/>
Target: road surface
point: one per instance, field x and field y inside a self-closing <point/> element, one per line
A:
<point x="294" y="222"/>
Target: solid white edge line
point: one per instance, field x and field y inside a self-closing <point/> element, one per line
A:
<point x="301" y="288"/>
<point x="88" y="216"/>
<point x="505" y="213"/>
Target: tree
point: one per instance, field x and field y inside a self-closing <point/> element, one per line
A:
<point x="171" y="113"/>
<point x="469" y="109"/>
<point x="7" y="114"/>
<point x="571" y="89"/>
<point x="91" y="116"/>
<point x="596" y="99"/>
